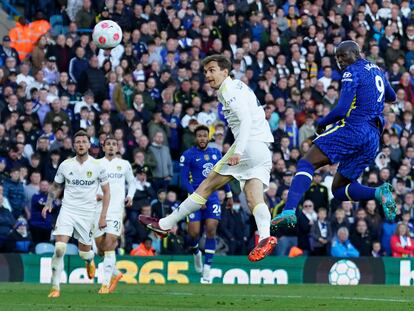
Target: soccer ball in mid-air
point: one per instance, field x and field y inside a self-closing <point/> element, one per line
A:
<point x="344" y="272"/>
<point x="107" y="34"/>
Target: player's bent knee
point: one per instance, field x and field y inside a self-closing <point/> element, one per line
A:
<point x="60" y="249"/>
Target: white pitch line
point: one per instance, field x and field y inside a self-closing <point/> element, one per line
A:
<point x="300" y="297"/>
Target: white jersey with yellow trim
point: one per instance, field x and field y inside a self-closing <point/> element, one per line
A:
<point x="82" y="182"/>
<point x="244" y="114"/>
<point x="119" y="172"/>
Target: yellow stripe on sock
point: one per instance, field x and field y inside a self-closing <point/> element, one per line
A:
<point x="198" y="198"/>
<point x="224" y="159"/>
<point x="347" y="193"/>
<point x="109" y="252"/>
<point x="209" y="251"/>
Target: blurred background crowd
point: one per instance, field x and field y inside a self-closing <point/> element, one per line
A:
<point x="150" y="93"/>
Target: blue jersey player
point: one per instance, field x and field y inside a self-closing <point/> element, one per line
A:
<point x="196" y="163"/>
<point x="352" y="141"/>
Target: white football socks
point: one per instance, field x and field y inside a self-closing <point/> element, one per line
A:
<point x="87" y="256"/>
<point x="57" y="264"/>
<point x="262" y="216"/>
<point x="190" y="205"/>
<point x="109" y="265"/>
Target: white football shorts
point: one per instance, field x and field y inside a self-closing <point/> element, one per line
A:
<point x="256" y="162"/>
<point x="81" y="227"/>
<point x="113" y="226"/>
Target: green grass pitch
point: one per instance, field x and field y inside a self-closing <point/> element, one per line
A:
<point x="32" y="297"/>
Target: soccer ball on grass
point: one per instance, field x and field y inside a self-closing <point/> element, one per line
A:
<point x="344" y="272"/>
<point x="107" y="34"/>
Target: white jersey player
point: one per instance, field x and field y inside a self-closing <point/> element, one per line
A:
<point x="82" y="176"/>
<point x="248" y="160"/>
<point x="119" y="172"/>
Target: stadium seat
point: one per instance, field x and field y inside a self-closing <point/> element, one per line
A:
<point x="44" y="248"/>
<point x="56" y="24"/>
<point x="71" y="249"/>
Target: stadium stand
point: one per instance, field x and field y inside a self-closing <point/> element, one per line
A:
<point x="54" y="80"/>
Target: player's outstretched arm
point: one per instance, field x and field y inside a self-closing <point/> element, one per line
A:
<point x="54" y="192"/>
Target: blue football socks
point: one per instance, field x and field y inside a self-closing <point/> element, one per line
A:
<point x="210" y="249"/>
<point x="300" y="184"/>
<point x="194" y="246"/>
<point x="354" y="192"/>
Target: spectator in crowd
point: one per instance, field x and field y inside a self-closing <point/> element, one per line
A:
<point x="361" y="238"/>
<point x="144" y="249"/>
<point x="341" y="246"/>
<point x="402" y="245"/>
<point x="7" y="222"/>
<point x="40" y="227"/>
<point x="31" y="189"/>
<point x="93" y="78"/>
<point x="14" y="192"/>
<point x="232" y="227"/>
<point x="377" y="250"/>
<point x="163" y="171"/>
<point x="19" y="239"/>
<point x="321" y="234"/>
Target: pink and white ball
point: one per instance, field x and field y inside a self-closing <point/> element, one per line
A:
<point x="107" y="34"/>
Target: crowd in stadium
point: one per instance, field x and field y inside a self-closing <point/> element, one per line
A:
<point x="151" y="94"/>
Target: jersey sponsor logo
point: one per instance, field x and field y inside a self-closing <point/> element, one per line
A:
<point x="347" y="77"/>
<point x="206" y="157"/>
<point x="81" y="182"/>
<point x="207" y="168"/>
<point x="89" y="174"/>
<point x="115" y="175"/>
<point x="228" y="102"/>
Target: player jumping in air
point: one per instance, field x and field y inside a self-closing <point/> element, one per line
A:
<point x="352" y="141"/>
<point x="248" y="160"/>
<point x="81" y="176"/>
<point x="196" y="163"/>
<point x="118" y="171"/>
